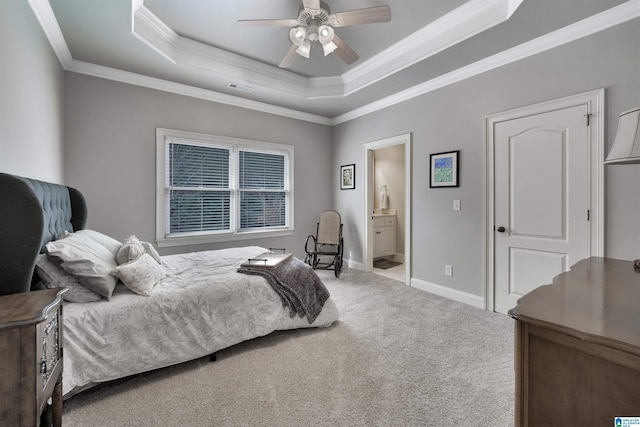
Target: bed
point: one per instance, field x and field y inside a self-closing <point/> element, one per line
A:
<point x="197" y="305"/>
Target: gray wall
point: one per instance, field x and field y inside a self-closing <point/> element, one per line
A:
<point x="31" y="97"/>
<point x="453" y="118"/>
<point x="108" y="142"/>
<point x="110" y="153"/>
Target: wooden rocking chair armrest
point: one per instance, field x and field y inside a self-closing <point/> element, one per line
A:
<point x="306" y="244"/>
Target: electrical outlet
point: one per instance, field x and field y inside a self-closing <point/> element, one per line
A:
<point x="448" y="270"/>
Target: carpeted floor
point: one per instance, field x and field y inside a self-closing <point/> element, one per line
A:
<point x="397" y="357"/>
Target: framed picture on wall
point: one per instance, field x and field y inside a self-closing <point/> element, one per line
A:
<point x="348" y="177"/>
<point x="444" y="170"/>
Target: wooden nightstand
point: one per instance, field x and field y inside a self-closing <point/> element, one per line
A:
<point x="31" y="349"/>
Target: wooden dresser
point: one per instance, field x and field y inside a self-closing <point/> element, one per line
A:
<point x="577" y="347"/>
<point x="31" y="357"/>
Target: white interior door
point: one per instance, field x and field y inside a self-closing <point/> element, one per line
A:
<point x="541" y="201"/>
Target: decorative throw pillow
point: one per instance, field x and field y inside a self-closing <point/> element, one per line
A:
<point x="132" y="248"/>
<point x="148" y="248"/>
<point x="88" y="261"/>
<point x="141" y="274"/>
<point x="53" y="276"/>
<point x="108" y="242"/>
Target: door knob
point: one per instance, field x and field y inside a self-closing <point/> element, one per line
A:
<point x="501" y="229"/>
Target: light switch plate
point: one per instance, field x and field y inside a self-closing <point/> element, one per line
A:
<point x="456" y="205"/>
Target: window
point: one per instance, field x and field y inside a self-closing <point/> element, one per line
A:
<point x="213" y="188"/>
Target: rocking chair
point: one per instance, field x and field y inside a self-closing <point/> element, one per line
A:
<point x="324" y="250"/>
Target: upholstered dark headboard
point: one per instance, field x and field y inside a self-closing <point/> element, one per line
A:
<point x="32" y="213"/>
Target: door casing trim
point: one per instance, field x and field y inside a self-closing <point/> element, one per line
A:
<point x="367" y="237"/>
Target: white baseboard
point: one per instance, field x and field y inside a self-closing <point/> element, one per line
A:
<point x="443" y="291"/>
<point x="353" y="264"/>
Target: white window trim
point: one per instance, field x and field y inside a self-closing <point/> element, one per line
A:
<point x="216" y="237"/>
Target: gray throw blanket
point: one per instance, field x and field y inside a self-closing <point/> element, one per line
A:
<point x="299" y="287"/>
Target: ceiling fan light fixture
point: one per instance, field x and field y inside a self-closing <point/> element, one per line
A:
<point x="304" y="49"/>
<point x="315" y="23"/>
<point x="298" y="35"/>
<point x="329" y="47"/>
<point x="325" y="36"/>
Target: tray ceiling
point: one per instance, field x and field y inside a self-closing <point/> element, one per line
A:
<point x="198" y="49"/>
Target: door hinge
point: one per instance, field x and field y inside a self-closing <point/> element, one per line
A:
<point x="588" y="116"/>
<point x="588" y="215"/>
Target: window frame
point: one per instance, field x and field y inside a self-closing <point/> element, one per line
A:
<point x="236" y="145"/>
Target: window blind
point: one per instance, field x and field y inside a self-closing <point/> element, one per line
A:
<point x="263" y="184"/>
<point x="211" y="188"/>
<point x="199" y="187"/>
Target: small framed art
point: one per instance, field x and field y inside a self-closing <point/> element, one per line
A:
<point x="444" y="169"/>
<point x="348" y="177"/>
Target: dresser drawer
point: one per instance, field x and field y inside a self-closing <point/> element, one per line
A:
<point x="389" y="220"/>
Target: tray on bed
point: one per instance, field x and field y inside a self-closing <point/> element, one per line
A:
<point x="267" y="260"/>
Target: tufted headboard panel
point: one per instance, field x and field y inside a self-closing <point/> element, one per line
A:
<point x="32" y="213"/>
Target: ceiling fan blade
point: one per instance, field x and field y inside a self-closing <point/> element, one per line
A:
<point x="371" y="15"/>
<point x="288" y="59"/>
<point x="311" y="4"/>
<point x="347" y="54"/>
<point x="268" y="22"/>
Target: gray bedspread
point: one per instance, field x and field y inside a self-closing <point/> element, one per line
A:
<point x="297" y="284"/>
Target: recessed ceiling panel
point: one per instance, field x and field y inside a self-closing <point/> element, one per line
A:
<point x="214" y="22"/>
<point x="100" y="32"/>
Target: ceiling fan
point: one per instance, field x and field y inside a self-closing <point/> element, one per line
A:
<point x="315" y="23"/>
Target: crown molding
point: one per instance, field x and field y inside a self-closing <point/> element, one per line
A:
<point x="121" y="76"/>
<point x="47" y="20"/>
<point x="183" y="51"/>
<point x="465" y="21"/>
<point x="607" y="19"/>
<point x="460" y="24"/>
<point x="588" y="26"/>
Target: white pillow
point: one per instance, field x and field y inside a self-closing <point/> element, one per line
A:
<point x="108" y="242"/>
<point x="141" y="274"/>
<point x="132" y="248"/>
<point x="148" y="248"/>
<point x="88" y="261"/>
<point x="53" y="276"/>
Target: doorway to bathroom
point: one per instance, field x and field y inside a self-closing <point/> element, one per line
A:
<point x="387" y="213"/>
